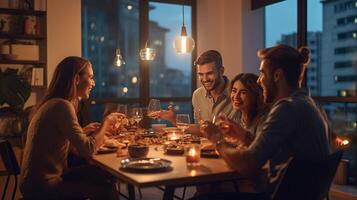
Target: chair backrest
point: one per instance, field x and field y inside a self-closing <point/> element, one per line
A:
<point x="8" y="158"/>
<point x="308" y="179"/>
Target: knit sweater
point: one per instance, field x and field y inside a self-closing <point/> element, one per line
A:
<point x="52" y="129"/>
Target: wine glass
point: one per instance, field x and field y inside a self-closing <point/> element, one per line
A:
<point x="122" y="108"/>
<point x="153" y="107"/>
<point x="137" y="115"/>
<point x="182" y="121"/>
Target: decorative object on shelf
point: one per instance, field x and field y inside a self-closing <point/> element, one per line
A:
<point x="147" y="53"/>
<point x="30" y="25"/>
<point x="118" y="60"/>
<point x="14" y="92"/>
<point x="37" y="77"/>
<point x="17" y="24"/>
<point x="28" y="4"/>
<point x="4" y="23"/>
<point x="184" y="43"/>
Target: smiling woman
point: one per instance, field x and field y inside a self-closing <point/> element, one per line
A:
<point x="53" y="128"/>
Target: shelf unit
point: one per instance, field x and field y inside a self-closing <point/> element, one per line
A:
<point x="39" y="39"/>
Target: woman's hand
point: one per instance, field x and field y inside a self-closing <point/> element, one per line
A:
<point x="90" y="128"/>
<point x="231" y="128"/>
<point x="211" y="131"/>
<point x="112" y="122"/>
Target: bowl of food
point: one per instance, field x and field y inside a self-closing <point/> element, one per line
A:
<point x="172" y="130"/>
<point x="138" y="150"/>
<point x="158" y="128"/>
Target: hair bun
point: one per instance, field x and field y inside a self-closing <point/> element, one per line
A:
<point x="305" y="55"/>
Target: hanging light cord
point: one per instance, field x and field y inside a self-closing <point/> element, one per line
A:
<point x="183" y="14"/>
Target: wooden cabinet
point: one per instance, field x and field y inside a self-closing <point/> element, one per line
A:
<point x="23" y="42"/>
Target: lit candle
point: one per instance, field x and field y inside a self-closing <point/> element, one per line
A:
<point x="174" y="137"/>
<point x="193" y="155"/>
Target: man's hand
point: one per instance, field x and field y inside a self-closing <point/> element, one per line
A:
<point x="168" y="114"/>
<point x="90" y="128"/>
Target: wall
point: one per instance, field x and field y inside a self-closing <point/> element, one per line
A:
<point x="220" y="27"/>
<point x="63" y="31"/>
<point x="63" y="36"/>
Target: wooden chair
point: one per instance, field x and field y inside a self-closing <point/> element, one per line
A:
<point x="11" y="165"/>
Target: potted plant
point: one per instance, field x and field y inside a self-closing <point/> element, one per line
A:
<point x="14" y="92"/>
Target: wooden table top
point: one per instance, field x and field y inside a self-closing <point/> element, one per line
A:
<point x="211" y="169"/>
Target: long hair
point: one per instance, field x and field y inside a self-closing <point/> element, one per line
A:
<point x="249" y="81"/>
<point x="63" y="81"/>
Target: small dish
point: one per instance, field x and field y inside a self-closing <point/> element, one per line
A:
<point x="137" y="151"/>
<point x="172" y="129"/>
<point x="105" y="150"/>
<point x="209" y="153"/>
<point x="174" y="150"/>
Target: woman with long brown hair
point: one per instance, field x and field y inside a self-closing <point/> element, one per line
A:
<point x="53" y="128"/>
<point x="247" y="98"/>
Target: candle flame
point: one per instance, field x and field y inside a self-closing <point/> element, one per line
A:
<point x="345" y="142"/>
<point x="192" y="152"/>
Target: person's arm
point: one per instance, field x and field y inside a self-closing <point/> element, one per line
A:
<point x="278" y="126"/>
<point x="238" y="159"/>
<point x="70" y="128"/>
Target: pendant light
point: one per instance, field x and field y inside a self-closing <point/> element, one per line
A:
<point x="184" y="43"/>
<point x="147" y="53"/>
<point x="118" y="60"/>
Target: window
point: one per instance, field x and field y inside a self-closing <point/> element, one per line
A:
<point x="347" y="35"/>
<point x="344" y="6"/>
<point x="346" y="50"/>
<point x="346" y="78"/>
<point x="274" y="34"/>
<point x="170" y="73"/>
<point x="128" y="25"/>
<point x="345" y="64"/>
<point x="346" y="20"/>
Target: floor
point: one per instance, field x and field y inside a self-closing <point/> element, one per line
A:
<point x="337" y="192"/>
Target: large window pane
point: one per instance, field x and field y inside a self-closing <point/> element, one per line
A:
<point x="170" y="73"/>
<point x="281" y="23"/>
<point x="332" y="36"/>
<point x="343" y="123"/>
<point x="107" y="25"/>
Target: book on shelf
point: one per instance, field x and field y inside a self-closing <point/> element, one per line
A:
<point x="37" y="77"/>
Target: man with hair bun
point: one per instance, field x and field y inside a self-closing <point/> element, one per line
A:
<point x="295" y="126"/>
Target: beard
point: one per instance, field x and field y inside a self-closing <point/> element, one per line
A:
<point x="215" y="85"/>
<point x="270" y="92"/>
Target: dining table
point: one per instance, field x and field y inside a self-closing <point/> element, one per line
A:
<point x="178" y="174"/>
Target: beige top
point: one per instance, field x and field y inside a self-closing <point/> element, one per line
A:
<point x="51" y="130"/>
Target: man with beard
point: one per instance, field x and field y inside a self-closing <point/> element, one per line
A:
<point x="295" y="125"/>
<point x="211" y="99"/>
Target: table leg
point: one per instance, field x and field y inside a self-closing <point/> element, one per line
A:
<point x="169" y="193"/>
<point x="131" y="191"/>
